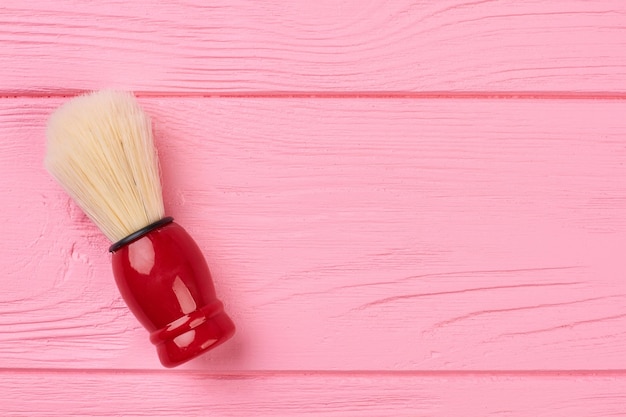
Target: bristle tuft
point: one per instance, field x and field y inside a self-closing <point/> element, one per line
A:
<point x="101" y="150"/>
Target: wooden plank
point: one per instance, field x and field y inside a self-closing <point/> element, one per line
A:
<point x="50" y="394"/>
<point x="323" y="46"/>
<point x="345" y="234"/>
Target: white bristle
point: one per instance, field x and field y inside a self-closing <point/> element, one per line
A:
<point x="101" y="150"/>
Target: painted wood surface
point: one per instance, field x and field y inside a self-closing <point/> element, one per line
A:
<point x="454" y="234"/>
<point x="198" y="395"/>
<point x="409" y="207"/>
<point x="324" y="46"/>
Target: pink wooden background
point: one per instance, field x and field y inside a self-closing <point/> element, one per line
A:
<point x="410" y="208"/>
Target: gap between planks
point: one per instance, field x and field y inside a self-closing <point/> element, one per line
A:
<point x="329" y="373"/>
<point x="443" y="95"/>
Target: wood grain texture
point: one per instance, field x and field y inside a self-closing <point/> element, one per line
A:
<point x="345" y="234"/>
<point x="166" y="394"/>
<point x="195" y="47"/>
<point x="410" y="208"/>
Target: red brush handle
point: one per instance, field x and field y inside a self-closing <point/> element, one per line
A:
<point x="164" y="279"/>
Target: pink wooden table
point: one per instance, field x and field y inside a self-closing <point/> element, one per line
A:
<point x="410" y="208"/>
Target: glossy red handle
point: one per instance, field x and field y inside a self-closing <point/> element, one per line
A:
<point x="166" y="283"/>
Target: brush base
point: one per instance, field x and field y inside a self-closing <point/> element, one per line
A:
<point x="196" y="333"/>
<point x="165" y="281"/>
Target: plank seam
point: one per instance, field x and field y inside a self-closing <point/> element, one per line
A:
<point x="333" y="373"/>
<point x="444" y="95"/>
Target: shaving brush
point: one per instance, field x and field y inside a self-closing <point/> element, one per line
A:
<point x="101" y="150"/>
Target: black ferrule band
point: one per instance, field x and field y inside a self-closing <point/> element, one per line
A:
<point x="140" y="233"/>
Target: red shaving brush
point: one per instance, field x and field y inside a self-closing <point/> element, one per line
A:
<point x="100" y="149"/>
